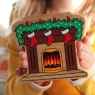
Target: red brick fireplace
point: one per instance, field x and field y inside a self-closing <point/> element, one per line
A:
<point x="53" y="62"/>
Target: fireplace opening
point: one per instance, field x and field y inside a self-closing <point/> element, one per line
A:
<point x="52" y="61"/>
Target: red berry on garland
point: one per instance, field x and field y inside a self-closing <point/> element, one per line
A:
<point x="54" y="19"/>
<point x="27" y="23"/>
<point x="40" y="21"/>
<point x="68" y="19"/>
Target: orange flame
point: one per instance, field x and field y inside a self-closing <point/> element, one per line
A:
<point x="50" y="60"/>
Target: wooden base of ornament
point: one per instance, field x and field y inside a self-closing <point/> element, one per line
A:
<point x="74" y="74"/>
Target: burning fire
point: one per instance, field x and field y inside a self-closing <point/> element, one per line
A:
<point x="50" y="60"/>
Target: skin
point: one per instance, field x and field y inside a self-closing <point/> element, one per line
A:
<point x="84" y="48"/>
<point x="66" y="5"/>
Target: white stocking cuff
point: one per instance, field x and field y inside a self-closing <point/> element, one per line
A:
<point x="65" y="31"/>
<point x="31" y="35"/>
<point x="48" y="33"/>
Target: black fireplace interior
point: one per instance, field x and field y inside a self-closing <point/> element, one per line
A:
<point x="51" y="59"/>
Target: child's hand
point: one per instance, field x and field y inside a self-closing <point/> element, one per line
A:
<point x="22" y="69"/>
<point x="85" y="53"/>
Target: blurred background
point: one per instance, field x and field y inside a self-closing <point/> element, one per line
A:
<point x="5" y="9"/>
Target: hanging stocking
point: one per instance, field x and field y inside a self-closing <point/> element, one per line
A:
<point x="33" y="39"/>
<point x="50" y="37"/>
<point x="67" y="35"/>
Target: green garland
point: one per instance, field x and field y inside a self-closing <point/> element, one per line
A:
<point x="48" y="25"/>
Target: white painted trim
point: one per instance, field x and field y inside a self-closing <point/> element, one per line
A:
<point x="47" y="33"/>
<point x="80" y="81"/>
<point x="31" y="35"/>
<point x="65" y="31"/>
<point x="37" y="87"/>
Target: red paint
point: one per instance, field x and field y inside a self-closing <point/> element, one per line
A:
<point x="40" y="21"/>
<point x="27" y="23"/>
<point x="54" y="19"/>
<point x="68" y="19"/>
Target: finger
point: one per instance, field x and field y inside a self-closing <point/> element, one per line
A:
<point x="24" y="71"/>
<point x="20" y="71"/>
<point x="86" y="40"/>
<point x="22" y="48"/>
<point x="23" y="55"/>
<point x="86" y="56"/>
<point x="84" y="64"/>
<point x="84" y="47"/>
<point x="24" y="64"/>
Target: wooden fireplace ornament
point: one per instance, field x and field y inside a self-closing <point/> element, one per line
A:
<point x="50" y="41"/>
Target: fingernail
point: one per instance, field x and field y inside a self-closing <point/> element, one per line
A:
<point x="22" y="48"/>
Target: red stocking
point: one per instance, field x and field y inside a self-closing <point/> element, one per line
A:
<point x="33" y="39"/>
<point x="67" y="35"/>
<point x="50" y="38"/>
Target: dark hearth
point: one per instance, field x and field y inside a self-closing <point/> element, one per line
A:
<point x="51" y="59"/>
<point x="53" y="66"/>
